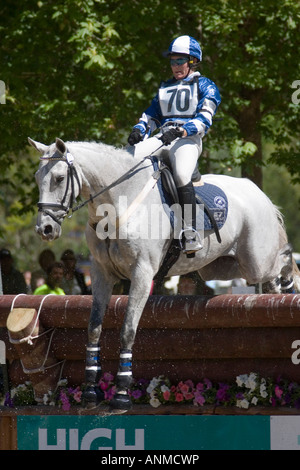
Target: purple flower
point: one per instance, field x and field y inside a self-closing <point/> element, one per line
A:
<point x="65" y="401"/>
<point x="136" y="394"/>
<point x="8" y="400"/>
<point x="108" y="394"/>
<point x="207" y="383"/>
<point x="199" y="398"/>
<point x="222" y="394"/>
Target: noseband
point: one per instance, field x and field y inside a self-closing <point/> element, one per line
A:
<point x="46" y="207"/>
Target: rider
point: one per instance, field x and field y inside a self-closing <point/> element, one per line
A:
<point x="184" y="105"/>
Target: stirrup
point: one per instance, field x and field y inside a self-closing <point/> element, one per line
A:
<point x="190" y="241"/>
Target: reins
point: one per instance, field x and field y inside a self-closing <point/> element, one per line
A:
<point x="114" y="183"/>
<point x="72" y="173"/>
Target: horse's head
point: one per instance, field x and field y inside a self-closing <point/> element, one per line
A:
<point x="59" y="186"/>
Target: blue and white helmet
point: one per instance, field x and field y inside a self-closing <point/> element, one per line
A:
<point x="186" y="45"/>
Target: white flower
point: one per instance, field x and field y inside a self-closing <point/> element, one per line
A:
<point x="153" y="384"/>
<point x="263" y="388"/>
<point x="164" y="388"/>
<point x="45" y="398"/>
<point x="242" y="403"/>
<point x="62" y="383"/>
<point x="254" y="401"/>
<point x="251" y="382"/>
<point x="241" y="380"/>
<point x="154" y="402"/>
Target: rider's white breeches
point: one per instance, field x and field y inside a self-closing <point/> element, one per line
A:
<point x="181" y="153"/>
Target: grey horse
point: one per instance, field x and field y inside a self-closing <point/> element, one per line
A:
<point x="124" y="210"/>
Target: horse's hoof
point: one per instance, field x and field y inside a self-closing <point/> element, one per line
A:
<point x="120" y="402"/>
<point x="92" y="397"/>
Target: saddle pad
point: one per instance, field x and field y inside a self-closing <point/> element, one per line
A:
<point x="216" y="201"/>
<point x="211" y="195"/>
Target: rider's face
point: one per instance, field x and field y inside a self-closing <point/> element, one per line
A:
<point x="180" y="71"/>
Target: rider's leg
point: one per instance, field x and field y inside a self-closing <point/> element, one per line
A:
<point x="151" y="146"/>
<point x="184" y="155"/>
<point x="191" y="240"/>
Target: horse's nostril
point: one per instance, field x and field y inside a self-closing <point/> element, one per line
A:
<point x="48" y="229"/>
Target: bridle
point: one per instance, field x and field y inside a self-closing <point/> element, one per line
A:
<point x="46" y="207"/>
<point x="72" y="175"/>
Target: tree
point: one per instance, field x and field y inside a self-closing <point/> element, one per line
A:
<point x="85" y="70"/>
<point x="250" y="50"/>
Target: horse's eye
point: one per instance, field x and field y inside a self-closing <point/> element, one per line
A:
<point x="59" y="179"/>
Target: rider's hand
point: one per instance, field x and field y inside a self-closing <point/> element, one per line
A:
<point x="135" y="137"/>
<point x="171" y="135"/>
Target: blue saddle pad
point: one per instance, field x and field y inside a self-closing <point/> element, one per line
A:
<point x="210" y="195"/>
<point x="216" y="201"/>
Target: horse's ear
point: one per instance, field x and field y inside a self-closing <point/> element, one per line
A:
<point x="60" y="145"/>
<point x="38" y="146"/>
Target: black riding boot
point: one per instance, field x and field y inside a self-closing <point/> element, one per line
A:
<point x="190" y="238"/>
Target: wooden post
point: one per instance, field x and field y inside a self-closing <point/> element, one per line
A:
<point x="32" y="343"/>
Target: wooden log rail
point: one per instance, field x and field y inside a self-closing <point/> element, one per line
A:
<point x="182" y="337"/>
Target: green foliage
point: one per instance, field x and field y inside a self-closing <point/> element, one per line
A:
<point x="85" y="70"/>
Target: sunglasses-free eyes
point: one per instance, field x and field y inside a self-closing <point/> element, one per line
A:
<point x="180" y="61"/>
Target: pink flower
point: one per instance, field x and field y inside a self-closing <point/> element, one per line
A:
<point x="184" y="388"/>
<point x="166" y="395"/>
<point x="103" y="385"/>
<point x="188" y="396"/>
<point x="178" y="397"/>
<point x="77" y="394"/>
<point x="278" y="392"/>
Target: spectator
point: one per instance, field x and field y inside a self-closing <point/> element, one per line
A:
<point x="38" y="278"/>
<point x="73" y="282"/>
<point x="193" y="284"/>
<point x="13" y="281"/>
<point x="54" y="277"/>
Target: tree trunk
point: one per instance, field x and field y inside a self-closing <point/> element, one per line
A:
<point x="249" y="123"/>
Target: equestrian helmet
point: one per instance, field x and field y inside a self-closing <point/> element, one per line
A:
<point x="186" y="45"/>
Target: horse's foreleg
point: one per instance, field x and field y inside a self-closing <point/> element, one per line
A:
<point x="101" y="295"/>
<point x="92" y="394"/>
<point x="136" y="303"/>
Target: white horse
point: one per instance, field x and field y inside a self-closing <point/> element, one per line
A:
<point x="121" y="193"/>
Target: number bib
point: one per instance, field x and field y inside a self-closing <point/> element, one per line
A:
<point x="179" y="100"/>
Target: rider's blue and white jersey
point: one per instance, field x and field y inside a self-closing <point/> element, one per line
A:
<point x="192" y="101"/>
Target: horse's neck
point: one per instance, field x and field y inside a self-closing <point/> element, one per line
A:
<point x="100" y="165"/>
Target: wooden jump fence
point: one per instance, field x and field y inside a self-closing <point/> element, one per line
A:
<point x="182" y="337"/>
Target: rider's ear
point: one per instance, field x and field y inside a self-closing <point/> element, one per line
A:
<point x="38" y="146"/>
<point x="60" y="145"/>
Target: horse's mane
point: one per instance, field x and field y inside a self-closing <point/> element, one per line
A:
<point x="98" y="147"/>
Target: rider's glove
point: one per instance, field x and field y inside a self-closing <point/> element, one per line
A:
<point x="171" y="135"/>
<point x="135" y="136"/>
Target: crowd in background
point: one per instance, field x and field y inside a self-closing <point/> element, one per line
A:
<point x="61" y="277"/>
<point x="64" y="277"/>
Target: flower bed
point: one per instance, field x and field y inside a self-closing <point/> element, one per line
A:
<point x="249" y="390"/>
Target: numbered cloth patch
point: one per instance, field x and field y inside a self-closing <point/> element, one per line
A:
<point x="179" y="99"/>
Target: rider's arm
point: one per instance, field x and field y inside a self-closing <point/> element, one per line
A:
<point x="208" y="104"/>
<point x="147" y="122"/>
